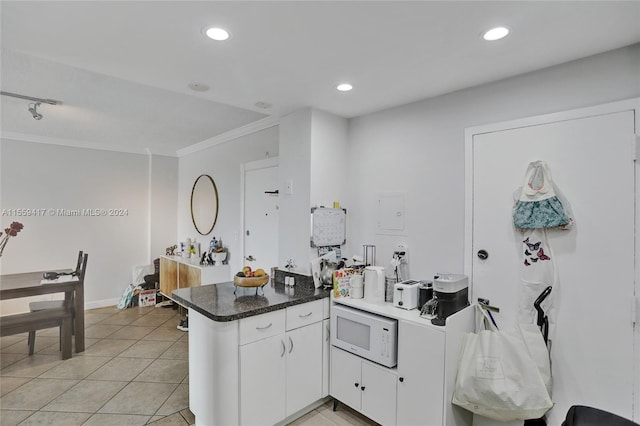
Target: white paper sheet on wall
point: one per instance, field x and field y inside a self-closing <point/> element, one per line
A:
<point x="328" y="226"/>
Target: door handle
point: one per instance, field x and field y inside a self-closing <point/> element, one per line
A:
<point x="305" y="316"/>
<point x="291" y="342"/>
<point x="265" y="327"/>
<point x="283" y="348"/>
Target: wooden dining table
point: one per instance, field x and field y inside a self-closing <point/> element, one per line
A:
<point x="14" y="286"/>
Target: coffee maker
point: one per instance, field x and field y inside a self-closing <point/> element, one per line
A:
<point x="452" y="294"/>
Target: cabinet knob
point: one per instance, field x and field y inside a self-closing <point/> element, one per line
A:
<point x="357" y="384"/>
<point x="362" y="387"/>
<point x="483" y="254"/>
<point x="401" y="379"/>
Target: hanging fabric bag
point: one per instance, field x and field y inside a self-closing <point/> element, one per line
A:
<point x="539" y="204"/>
<point x="504" y="375"/>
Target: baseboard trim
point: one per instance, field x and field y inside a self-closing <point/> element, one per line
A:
<point x="101" y="303"/>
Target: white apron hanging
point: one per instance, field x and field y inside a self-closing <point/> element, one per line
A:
<point x="537" y="272"/>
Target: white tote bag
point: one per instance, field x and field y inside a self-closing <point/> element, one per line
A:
<point x="504" y="375"/>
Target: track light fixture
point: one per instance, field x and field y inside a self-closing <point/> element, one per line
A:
<point x="34" y="112"/>
<point x="33" y="106"/>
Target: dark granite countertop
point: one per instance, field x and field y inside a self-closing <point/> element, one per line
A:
<point x="219" y="303"/>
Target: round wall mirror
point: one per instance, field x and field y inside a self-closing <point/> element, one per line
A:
<point x="204" y="204"/>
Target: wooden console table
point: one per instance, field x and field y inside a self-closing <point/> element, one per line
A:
<point x="177" y="272"/>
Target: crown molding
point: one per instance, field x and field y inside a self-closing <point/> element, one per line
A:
<point x="248" y="129"/>
<point x="77" y="143"/>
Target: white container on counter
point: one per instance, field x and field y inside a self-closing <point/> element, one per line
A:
<point x="374" y="284"/>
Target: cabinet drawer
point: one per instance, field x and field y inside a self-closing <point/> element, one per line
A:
<point x="261" y="326"/>
<point x="303" y="314"/>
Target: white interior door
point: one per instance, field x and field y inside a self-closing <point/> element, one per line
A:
<point x="591" y="162"/>
<point x="261" y="215"/>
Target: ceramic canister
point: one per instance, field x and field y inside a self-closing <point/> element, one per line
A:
<point x="356" y="287"/>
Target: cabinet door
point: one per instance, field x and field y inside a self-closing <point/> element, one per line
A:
<point x="188" y="276"/>
<point x="420" y="374"/>
<point x="379" y="394"/>
<point x="168" y="276"/>
<point x="345" y="378"/>
<point x="304" y="366"/>
<point x="326" y="346"/>
<point x="262" y="381"/>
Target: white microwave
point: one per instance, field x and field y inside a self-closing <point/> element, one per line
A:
<point x="368" y="335"/>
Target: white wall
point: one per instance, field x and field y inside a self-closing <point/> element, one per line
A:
<point x="329" y="162"/>
<point x="222" y="162"/>
<point x="313" y="147"/>
<point x="419" y="149"/>
<point x="294" y="165"/>
<point x="163" y="201"/>
<point x="44" y="176"/>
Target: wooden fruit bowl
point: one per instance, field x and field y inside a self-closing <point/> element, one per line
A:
<point x="250" y="281"/>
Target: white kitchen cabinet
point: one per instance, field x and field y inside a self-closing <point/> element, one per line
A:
<point x="379" y="393"/>
<point x="303" y="366"/>
<point x="345" y="377"/>
<point x="280" y="371"/>
<point x="364" y="386"/>
<point x="259" y="370"/>
<point x="326" y="346"/>
<point x="421" y="352"/>
<point x="419" y="389"/>
<point x="262" y="384"/>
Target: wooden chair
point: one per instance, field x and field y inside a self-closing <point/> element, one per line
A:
<point x="47" y="305"/>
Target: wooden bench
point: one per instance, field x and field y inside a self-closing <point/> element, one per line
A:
<point x="32" y="321"/>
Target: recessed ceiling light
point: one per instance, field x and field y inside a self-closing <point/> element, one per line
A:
<point x="216" y="33"/>
<point x="198" y="87"/>
<point x="495" y="33"/>
<point x="263" y="105"/>
<point x="344" y="87"/>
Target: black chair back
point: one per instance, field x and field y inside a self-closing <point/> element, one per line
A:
<point x="580" y="415"/>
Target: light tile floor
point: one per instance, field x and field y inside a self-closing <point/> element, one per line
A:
<point x="134" y="371"/>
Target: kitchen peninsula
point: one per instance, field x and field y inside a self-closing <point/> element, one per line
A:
<point x="256" y="356"/>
